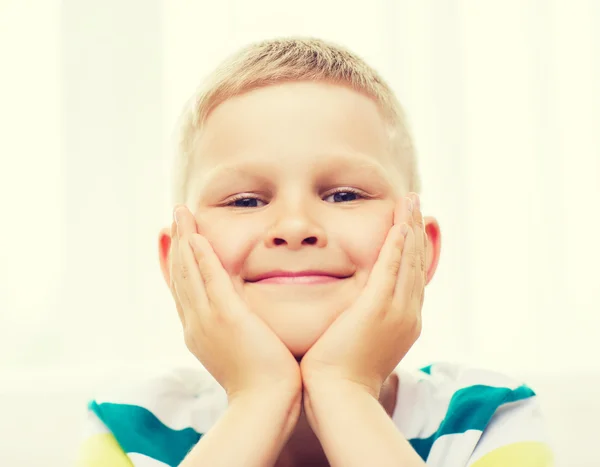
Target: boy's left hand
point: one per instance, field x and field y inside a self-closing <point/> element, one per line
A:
<point x="367" y="341"/>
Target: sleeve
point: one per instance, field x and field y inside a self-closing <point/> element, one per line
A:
<point x="99" y="447"/>
<point x="515" y="436"/>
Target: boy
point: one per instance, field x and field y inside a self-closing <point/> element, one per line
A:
<point x="297" y="261"/>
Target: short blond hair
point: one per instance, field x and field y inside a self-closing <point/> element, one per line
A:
<point x="282" y="60"/>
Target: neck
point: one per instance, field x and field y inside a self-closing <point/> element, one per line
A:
<point x="303" y="447"/>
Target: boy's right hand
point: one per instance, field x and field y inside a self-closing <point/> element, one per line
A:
<point x="241" y="352"/>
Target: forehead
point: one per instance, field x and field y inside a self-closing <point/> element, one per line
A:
<point x="295" y="128"/>
<point x="283" y="116"/>
<point x="356" y="166"/>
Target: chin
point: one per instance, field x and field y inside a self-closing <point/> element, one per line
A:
<point x="299" y="349"/>
<point x="299" y="321"/>
<point x="298" y="343"/>
<point x="300" y="335"/>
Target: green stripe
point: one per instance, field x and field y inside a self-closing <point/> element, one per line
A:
<point x="470" y="408"/>
<point x="138" y="430"/>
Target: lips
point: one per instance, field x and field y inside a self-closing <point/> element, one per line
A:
<point x="298" y="276"/>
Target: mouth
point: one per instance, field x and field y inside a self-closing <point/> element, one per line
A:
<point x="298" y="278"/>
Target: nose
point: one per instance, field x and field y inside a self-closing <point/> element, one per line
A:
<point x="295" y="231"/>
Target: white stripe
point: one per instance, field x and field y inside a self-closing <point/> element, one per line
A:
<point x="139" y="460"/>
<point x="453" y="449"/>
<point x="93" y="426"/>
<point x="512" y="423"/>
<point x="180" y="399"/>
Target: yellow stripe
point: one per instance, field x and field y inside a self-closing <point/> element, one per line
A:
<point x="102" y="451"/>
<point x="525" y="454"/>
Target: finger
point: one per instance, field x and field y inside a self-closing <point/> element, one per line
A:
<point x="173" y="265"/>
<point x="419" y="230"/>
<point x="408" y="265"/>
<point x="217" y="283"/>
<point x="384" y="275"/>
<point x="382" y="280"/>
<point x="182" y="269"/>
<point x="189" y="283"/>
<point x="186" y="223"/>
<point x="179" y="276"/>
<point x="401" y="211"/>
<point x="190" y="298"/>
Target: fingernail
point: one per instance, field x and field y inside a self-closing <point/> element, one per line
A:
<point x="409" y="204"/>
<point x="418" y="201"/>
<point x="176" y="215"/>
<point x="404" y="229"/>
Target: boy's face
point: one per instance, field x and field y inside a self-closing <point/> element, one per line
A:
<point x="296" y="177"/>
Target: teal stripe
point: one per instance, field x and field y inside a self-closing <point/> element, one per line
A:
<point x="138" y="430"/>
<point x="470" y="408"/>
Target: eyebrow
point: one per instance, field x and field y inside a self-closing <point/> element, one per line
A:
<point x="254" y="169"/>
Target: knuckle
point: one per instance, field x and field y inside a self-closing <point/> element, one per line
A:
<point x="205" y="270"/>
<point x="412" y="325"/>
<point x="185" y="271"/>
<point x="190" y="339"/>
<point x="416" y="329"/>
<point x="208" y="277"/>
<point x="394" y="266"/>
<point x="220" y="318"/>
<point x="400" y="238"/>
<point x="194" y="337"/>
<point x="411" y="257"/>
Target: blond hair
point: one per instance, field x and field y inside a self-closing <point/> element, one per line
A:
<point x="290" y="59"/>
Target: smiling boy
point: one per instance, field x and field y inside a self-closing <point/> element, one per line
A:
<point x="297" y="261"/>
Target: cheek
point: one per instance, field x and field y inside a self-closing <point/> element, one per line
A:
<point x="230" y="246"/>
<point x="366" y="240"/>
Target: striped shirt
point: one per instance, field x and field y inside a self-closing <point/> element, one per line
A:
<point x="451" y="415"/>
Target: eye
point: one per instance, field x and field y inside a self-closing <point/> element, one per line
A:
<point x="244" y="201"/>
<point x="341" y="195"/>
<point x="346" y="195"/>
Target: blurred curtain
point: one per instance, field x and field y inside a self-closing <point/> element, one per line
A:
<point x="503" y="100"/>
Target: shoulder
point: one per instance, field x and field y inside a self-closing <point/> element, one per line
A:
<point x="160" y="416"/>
<point x="450" y="411"/>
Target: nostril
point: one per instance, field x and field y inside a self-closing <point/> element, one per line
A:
<point x="310" y="240"/>
<point x="306" y="241"/>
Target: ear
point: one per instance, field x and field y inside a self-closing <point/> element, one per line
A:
<point x="164" y="250"/>
<point x="434" y="245"/>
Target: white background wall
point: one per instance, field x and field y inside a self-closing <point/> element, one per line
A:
<point x="503" y="99"/>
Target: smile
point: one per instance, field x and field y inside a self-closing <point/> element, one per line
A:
<point x="300" y="280"/>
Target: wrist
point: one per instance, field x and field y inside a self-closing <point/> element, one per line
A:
<point x="322" y="395"/>
<point x="326" y="385"/>
<point x="281" y="405"/>
<point x="272" y="415"/>
<point x="281" y="393"/>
